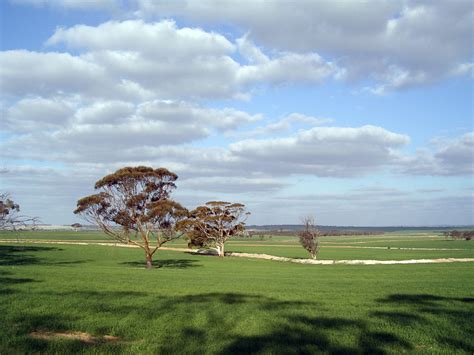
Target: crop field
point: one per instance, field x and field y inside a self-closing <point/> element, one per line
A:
<point x="61" y="298"/>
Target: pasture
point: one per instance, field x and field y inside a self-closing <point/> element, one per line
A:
<point x="104" y="299"/>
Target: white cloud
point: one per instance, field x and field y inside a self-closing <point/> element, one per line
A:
<point x="398" y="44"/>
<point x="284" y="125"/>
<point x="106" y="130"/>
<point x="108" y="112"/>
<point x="450" y="157"/>
<point x="283" y="67"/>
<point x="73" y="4"/>
<point x="158" y="39"/>
<point x="242" y="185"/>
<point x="23" y="72"/>
<point x="322" y="151"/>
<point x="32" y="114"/>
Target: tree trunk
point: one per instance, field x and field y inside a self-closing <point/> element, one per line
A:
<point x="149" y="262"/>
<point x="220" y="249"/>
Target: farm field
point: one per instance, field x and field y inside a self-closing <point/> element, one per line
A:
<point x="204" y="304"/>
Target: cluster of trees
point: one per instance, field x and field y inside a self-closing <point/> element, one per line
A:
<point x="455" y="234"/>
<point x="10" y="217"/>
<point x="134" y="206"/>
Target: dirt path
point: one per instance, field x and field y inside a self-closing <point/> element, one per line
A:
<point x="352" y="262"/>
<point x="271" y="257"/>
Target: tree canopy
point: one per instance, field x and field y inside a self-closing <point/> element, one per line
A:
<point x="214" y="223"/>
<point x="10" y="217"/>
<point x="133" y="206"/>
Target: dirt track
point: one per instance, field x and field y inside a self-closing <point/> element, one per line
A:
<point x="276" y="258"/>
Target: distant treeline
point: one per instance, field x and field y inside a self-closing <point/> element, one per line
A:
<point x="323" y="233"/>
<point x="377" y="230"/>
<point x="457" y="234"/>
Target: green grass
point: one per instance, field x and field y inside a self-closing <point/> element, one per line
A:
<point x="55" y="235"/>
<point x="202" y="304"/>
<point x="327" y="252"/>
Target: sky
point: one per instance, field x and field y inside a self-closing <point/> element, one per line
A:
<point x="356" y="113"/>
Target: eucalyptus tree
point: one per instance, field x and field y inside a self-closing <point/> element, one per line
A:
<point x="133" y="206"/>
<point x="10" y="216"/>
<point x="214" y="223"/>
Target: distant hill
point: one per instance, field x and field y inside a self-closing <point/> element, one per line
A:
<point x="297" y="227"/>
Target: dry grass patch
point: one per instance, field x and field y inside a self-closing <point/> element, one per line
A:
<point x="81" y="336"/>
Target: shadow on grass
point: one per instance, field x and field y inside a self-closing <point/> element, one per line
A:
<point x="200" y="321"/>
<point x="7" y="282"/>
<point x="165" y="263"/>
<point x="421" y="309"/>
<point x="230" y="322"/>
<point x="12" y="255"/>
<point x="309" y="335"/>
<point x="21" y="255"/>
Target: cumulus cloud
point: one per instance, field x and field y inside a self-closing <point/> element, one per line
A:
<point x="141" y="61"/>
<point x="73" y="4"/>
<point x="396" y="43"/>
<point x="157" y="39"/>
<point x="283" y="125"/>
<point x="109" y="130"/>
<point x="32" y="114"/>
<point x="323" y="151"/>
<point x="283" y="67"/>
<point x="449" y="157"/>
<point x="233" y="184"/>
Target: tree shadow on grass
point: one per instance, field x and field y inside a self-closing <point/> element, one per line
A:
<point x="310" y="335"/>
<point x="12" y="255"/>
<point x="419" y="310"/>
<point x="21" y="255"/>
<point x="230" y="322"/>
<point x="7" y="282"/>
<point x="165" y="263"/>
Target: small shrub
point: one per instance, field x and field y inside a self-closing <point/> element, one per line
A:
<point x="309" y="237"/>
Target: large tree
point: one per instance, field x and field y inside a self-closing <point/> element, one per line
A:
<point x="214" y="223"/>
<point x="133" y="206"/>
<point x="10" y="217"/>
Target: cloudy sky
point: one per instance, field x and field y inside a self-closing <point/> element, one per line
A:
<point x="358" y="113"/>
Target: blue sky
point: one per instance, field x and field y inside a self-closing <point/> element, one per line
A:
<point x="294" y="108"/>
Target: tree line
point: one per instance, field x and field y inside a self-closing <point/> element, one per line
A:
<point x="456" y="234"/>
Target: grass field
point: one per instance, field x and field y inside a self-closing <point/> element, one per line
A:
<point x="203" y="304"/>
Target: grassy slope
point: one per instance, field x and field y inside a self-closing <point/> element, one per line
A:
<point x="209" y="305"/>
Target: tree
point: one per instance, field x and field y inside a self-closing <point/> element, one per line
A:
<point x="214" y="223"/>
<point x="10" y="217"/>
<point x="134" y="207"/>
<point x="309" y="237"/>
<point x="76" y="226"/>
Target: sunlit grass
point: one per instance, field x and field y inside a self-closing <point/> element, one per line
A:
<point x="206" y="304"/>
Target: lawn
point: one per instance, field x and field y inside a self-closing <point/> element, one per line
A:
<point x="203" y="304"/>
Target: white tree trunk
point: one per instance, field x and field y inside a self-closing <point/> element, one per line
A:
<point x="220" y="248"/>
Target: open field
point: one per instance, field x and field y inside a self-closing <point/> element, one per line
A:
<point x="54" y="296"/>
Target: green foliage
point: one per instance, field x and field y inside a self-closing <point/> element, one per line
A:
<point x="214" y="223"/>
<point x="134" y="207"/>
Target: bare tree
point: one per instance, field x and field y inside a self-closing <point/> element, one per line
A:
<point x="10" y="217"/>
<point x="214" y="223"/>
<point x="309" y="237"/>
<point x="133" y="207"/>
